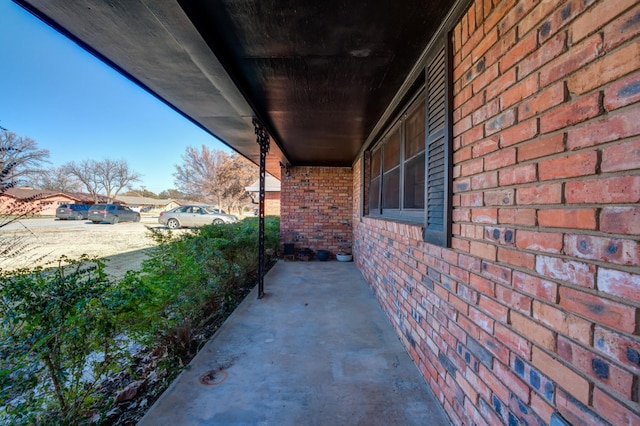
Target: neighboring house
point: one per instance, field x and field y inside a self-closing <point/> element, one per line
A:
<point x="43" y="203"/>
<point x="85" y="198"/>
<point x="482" y="157"/>
<point x="33" y="201"/>
<point x="147" y="204"/>
<point x="272" y="194"/>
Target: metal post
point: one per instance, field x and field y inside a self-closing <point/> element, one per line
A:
<point x="262" y="137"/>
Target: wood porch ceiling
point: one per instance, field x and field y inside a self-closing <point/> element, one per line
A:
<point x="318" y="74"/>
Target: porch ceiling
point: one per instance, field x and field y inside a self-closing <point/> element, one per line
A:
<point x="318" y="74"/>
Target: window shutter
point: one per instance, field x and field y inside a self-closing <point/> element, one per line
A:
<point x="438" y="161"/>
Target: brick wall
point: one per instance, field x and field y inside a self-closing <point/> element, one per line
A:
<point x="316" y="209"/>
<point x="532" y="315"/>
<point x="272" y="203"/>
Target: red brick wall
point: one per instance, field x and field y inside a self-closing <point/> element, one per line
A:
<point x="533" y="312"/>
<point x="316" y="209"/>
<point x="272" y="203"/>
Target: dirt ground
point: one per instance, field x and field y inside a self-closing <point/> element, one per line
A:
<point x="124" y="245"/>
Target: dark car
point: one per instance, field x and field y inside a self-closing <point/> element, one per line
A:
<point x="72" y="211"/>
<point x="112" y="213"/>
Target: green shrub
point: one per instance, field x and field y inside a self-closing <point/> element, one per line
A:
<point x="58" y="340"/>
<point x="65" y="329"/>
<point x="199" y="276"/>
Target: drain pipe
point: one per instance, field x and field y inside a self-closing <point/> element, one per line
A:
<point x="262" y="137"/>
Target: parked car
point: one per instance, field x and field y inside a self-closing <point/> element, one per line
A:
<point x="232" y="217"/>
<point x="112" y="213"/>
<point x="187" y="216"/>
<point x="72" y="211"/>
<point x="220" y="211"/>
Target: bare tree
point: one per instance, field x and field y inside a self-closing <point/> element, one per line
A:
<point x="215" y="176"/>
<point x="20" y="158"/>
<point x="57" y="179"/>
<point x="114" y="176"/>
<point x="110" y="176"/>
<point x="86" y="172"/>
<point x="20" y="161"/>
<point x="199" y="176"/>
<point x="236" y="174"/>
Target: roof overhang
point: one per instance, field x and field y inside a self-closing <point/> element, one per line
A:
<point x="319" y="75"/>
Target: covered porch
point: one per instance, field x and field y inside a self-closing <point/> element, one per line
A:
<point x="481" y="160"/>
<point x="316" y="350"/>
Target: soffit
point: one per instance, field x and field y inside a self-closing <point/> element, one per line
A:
<point x="319" y="75"/>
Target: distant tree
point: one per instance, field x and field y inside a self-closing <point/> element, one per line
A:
<point x="86" y="172"/>
<point x="214" y="176"/>
<point x="20" y="158"/>
<point x="236" y="174"/>
<point x="56" y="179"/>
<point x="141" y="192"/>
<point x="199" y="176"/>
<point x="110" y="176"/>
<point x="114" y="176"/>
<point x="171" y="194"/>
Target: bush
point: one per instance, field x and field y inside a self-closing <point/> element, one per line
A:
<point x="199" y="277"/>
<point x="58" y="340"/>
<point x="66" y="329"/>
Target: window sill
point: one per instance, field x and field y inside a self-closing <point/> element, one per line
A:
<point x="406" y="220"/>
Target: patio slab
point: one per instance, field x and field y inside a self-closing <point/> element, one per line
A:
<point x="316" y="350"/>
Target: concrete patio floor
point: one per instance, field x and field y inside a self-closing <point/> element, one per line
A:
<point x="316" y="350"/>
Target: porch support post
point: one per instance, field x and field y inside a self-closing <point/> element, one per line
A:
<point x="262" y="137"/>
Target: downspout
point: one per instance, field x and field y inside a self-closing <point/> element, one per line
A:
<point x="262" y="138"/>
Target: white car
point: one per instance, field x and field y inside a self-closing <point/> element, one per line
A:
<point x="188" y="216"/>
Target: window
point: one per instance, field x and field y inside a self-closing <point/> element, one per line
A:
<point x="410" y="168"/>
<point x="391" y="172"/>
<point x="397" y="167"/>
<point x="414" y="158"/>
<point x="374" y="184"/>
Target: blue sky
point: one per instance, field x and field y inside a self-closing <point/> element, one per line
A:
<point x="79" y="108"/>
